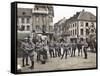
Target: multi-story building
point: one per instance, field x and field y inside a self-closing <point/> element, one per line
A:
<point x="80" y="24"/>
<point x="24" y="21"/>
<point x="59" y="28"/>
<point x="38" y="18"/>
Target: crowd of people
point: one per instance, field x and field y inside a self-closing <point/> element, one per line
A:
<point x="50" y="49"/>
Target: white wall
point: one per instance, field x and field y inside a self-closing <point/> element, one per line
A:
<point x="5" y="38"/>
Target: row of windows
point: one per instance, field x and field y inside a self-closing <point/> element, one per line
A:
<point x="86" y="24"/>
<point x="83" y="31"/>
<point x="23" y="20"/>
<point x="72" y="25"/>
<point x="23" y="28"/>
<point x="73" y="32"/>
<point x="82" y="24"/>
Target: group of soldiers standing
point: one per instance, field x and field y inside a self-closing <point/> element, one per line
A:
<point x="45" y="49"/>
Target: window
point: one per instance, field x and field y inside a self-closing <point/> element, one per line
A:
<point x="44" y="28"/>
<point x="87" y="31"/>
<point x="37" y="27"/>
<point x="37" y="18"/>
<point x="86" y="24"/>
<point x="50" y="18"/>
<point x="22" y="28"/>
<point x="92" y="24"/>
<point x="28" y="20"/>
<point x="73" y="25"/>
<point x="75" y="31"/>
<point x="28" y="27"/>
<point x="81" y="31"/>
<point x="82" y="23"/>
<point x="71" y="33"/>
<point x="23" y="20"/>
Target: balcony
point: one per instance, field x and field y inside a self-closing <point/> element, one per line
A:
<point x="40" y="12"/>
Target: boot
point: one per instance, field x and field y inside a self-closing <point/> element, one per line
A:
<point x="23" y="63"/>
<point x="32" y="65"/>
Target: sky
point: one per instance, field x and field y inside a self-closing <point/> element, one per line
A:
<point x="62" y="11"/>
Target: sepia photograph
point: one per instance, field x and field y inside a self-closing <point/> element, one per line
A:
<point x="53" y="37"/>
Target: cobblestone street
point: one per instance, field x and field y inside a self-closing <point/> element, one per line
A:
<point x="57" y="63"/>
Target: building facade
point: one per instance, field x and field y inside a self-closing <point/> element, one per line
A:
<point x="81" y="25"/>
<point x="77" y="27"/>
<point x="59" y="28"/>
<point x="38" y="18"/>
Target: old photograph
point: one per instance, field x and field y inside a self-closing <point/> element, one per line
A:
<point x="55" y="37"/>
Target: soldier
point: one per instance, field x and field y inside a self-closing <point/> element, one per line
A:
<point x="38" y="49"/>
<point x="65" y="50"/>
<point x="45" y="49"/>
<point x="25" y="52"/>
<point x="59" y="49"/>
<point x="56" y="45"/>
<point x="79" y="46"/>
<point x="31" y="53"/>
<point x="73" y="49"/>
<point x="85" y="49"/>
<point x="51" y="49"/>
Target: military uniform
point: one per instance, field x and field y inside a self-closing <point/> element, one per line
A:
<point x="65" y="50"/>
<point x="31" y="53"/>
<point x="45" y="56"/>
<point x="25" y="54"/>
<point x="85" y="49"/>
<point x="73" y="49"/>
<point x="38" y="50"/>
<point x="56" y="49"/>
<point x="79" y="46"/>
<point x="51" y="49"/>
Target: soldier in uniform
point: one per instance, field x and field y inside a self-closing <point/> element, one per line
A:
<point x="85" y="49"/>
<point x="59" y="49"/>
<point x="51" y="49"/>
<point x="79" y="46"/>
<point x="73" y="49"/>
<point x="38" y="49"/>
<point x="56" y="49"/>
<point x="25" y="53"/>
<point x="65" y="50"/>
<point x="31" y="53"/>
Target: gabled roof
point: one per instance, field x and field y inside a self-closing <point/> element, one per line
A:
<point x="24" y="12"/>
<point x="60" y="22"/>
<point x="84" y="15"/>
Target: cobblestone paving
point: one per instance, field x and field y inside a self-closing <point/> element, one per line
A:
<point x="57" y="63"/>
